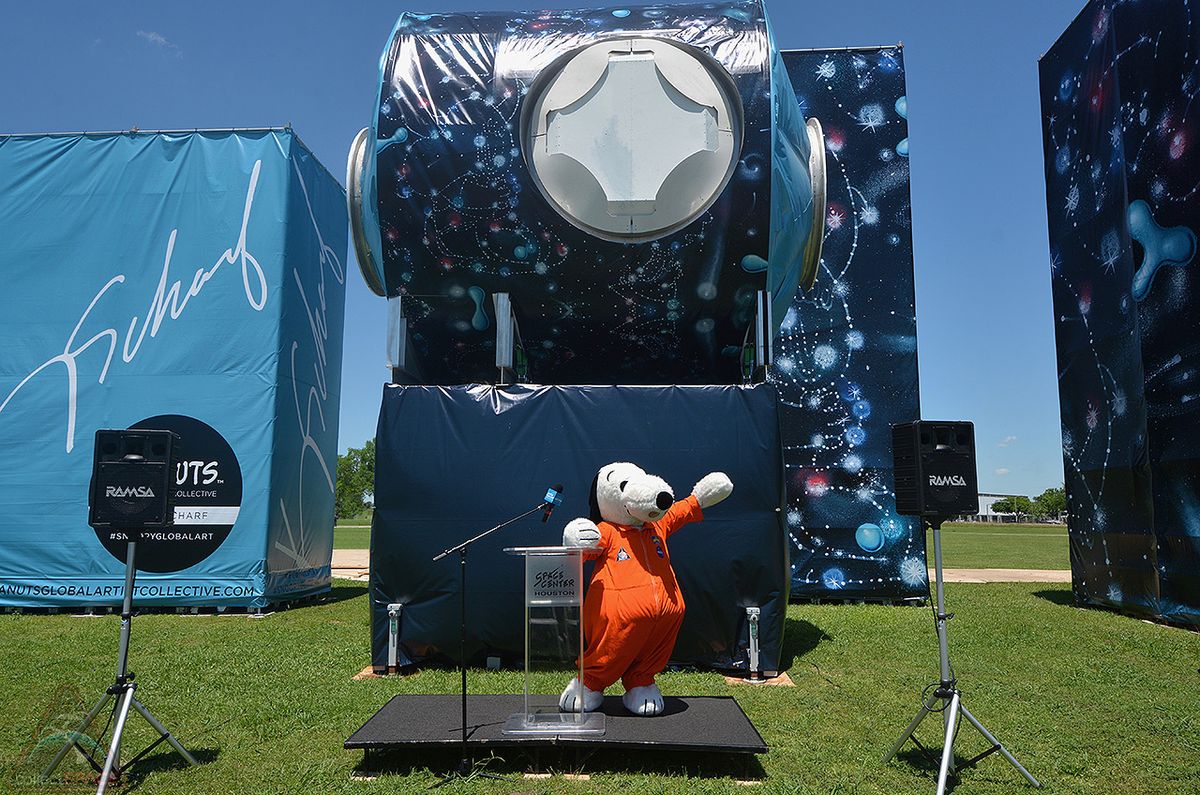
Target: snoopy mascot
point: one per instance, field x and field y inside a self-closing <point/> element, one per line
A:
<point x="633" y="609"/>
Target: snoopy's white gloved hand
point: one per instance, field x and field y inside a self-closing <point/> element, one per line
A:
<point x="581" y="533"/>
<point x="713" y="488"/>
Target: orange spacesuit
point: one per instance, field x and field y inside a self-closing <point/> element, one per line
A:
<point x="634" y="608"/>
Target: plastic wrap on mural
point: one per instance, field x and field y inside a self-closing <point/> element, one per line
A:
<point x="1123" y="198"/>
<point x="188" y="281"/>
<point x="494" y="165"/>
<point x="735" y="558"/>
<point x="846" y="363"/>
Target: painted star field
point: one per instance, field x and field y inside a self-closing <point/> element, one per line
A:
<point x="846" y="364"/>
<point x="1119" y="94"/>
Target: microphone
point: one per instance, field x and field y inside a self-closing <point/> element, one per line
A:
<point x="553" y="497"/>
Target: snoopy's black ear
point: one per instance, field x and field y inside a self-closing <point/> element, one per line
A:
<point x="593" y="502"/>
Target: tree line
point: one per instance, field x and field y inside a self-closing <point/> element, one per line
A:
<point x="1050" y="504"/>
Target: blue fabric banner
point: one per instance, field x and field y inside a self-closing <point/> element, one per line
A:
<point x="185" y="281"/>
<point x="454" y="461"/>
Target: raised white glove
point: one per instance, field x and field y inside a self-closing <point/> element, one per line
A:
<point x="581" y="533"/>
<point x="712" y="488"/>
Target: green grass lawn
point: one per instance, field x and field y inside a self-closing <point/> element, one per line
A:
<point x="352" y="537"/>
<point x="968" y="546"/>
<point x="1002" y="546"/>
<point x="1091" y="702"/>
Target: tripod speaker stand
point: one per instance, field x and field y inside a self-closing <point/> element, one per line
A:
<point x="123" y="690"/>
<point x="934" y="466"/>
<point x="948" y="693"/>
<point x="132" y="490"/>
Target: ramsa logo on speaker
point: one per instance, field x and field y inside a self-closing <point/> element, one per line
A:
<point x="947" y="480"/>
<point x="128" y="491"/>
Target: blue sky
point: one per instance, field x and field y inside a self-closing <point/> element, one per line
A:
<point x="984" y="321"/>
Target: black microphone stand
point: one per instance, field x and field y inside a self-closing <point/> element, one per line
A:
<point x="464" y="763"/>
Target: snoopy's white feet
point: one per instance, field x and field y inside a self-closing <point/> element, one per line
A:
<point x="571" y="700"/>
<point x="645" y="701"/>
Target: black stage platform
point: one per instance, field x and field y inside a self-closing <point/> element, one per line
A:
<point x="701" y="723"/>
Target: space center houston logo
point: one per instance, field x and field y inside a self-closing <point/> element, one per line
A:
<point x="551" y="580"/>
<point x="208" y="498"/>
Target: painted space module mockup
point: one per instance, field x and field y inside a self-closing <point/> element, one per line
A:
<point x="635" y="185"/>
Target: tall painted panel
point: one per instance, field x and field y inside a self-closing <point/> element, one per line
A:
<point x="1122" y="176"/>
<point x="846" y="365"/>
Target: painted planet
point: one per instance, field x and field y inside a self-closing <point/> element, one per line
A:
<point x="752" y="263"/>
<point x="834" y="579"/>
<point x="869" y="537"/>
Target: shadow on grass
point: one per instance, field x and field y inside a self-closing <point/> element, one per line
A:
<point x="799" y="638"/>
<point x="1059" y="596"/>
<point x="514" y="762"/>
<point x="161" y="761"/>
<point x="341" y="591"/>
<point x="930" y="763"/>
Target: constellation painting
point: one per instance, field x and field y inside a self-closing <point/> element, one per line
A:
<point x="1123" y="197"/>
<point x="846" y="365"/>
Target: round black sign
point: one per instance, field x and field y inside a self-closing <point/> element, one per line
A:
<point x="208" y="497"/>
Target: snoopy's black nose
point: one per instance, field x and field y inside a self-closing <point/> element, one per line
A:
<point x="664" y="500"/>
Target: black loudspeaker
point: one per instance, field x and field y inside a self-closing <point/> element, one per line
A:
<point x="934" y="466"/>
<point x="132" y="479"/>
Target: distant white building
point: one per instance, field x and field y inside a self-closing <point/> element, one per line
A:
<point x="986" y="514"/>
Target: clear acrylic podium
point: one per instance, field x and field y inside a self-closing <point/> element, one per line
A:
<point x="553" y="637"/>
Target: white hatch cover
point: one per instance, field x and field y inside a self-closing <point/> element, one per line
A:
<point x="632" y="138"/>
